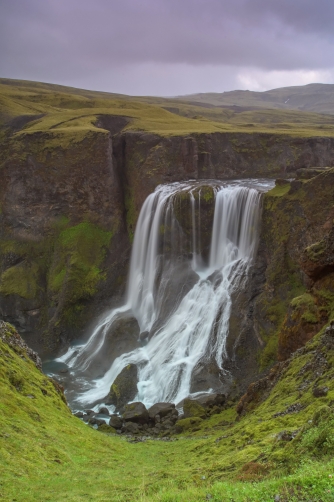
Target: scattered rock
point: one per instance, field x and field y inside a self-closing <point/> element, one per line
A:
<point x="320" y="391"/>
<point x="131" y="428"/>
<point x="161" y="410"/>
<point x="293" y="408"/>
<point x="136" y="412"/>
<point x="115" y="421"/>
<point x="287" y="435"/>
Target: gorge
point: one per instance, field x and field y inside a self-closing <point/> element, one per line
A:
<point x="150" y="255"/>
<point x="181" y="280"/>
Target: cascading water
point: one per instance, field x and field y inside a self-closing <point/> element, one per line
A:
<point x="193" y="325"/>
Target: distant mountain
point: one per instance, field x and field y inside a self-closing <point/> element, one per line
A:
<point x="311" y="98"/>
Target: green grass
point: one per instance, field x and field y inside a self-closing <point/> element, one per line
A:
<point x="69" y="114"/>
<point x="48" y="454"/>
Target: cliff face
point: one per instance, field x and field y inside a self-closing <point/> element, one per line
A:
<point x="69" y="209"/>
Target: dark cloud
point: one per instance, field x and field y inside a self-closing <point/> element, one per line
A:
<point x="72" y="39"/>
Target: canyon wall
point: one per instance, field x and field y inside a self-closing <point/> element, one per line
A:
<point x="69" y="209"/>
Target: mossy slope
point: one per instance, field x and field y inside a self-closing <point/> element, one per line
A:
<point x="48" y="454"/>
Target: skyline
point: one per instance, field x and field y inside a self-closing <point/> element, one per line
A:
<point x="164" y="48"/>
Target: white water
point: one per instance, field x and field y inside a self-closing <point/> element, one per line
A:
<point x="196" y="328"/>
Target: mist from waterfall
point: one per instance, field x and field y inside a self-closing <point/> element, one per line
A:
<point x="194" y="328"/>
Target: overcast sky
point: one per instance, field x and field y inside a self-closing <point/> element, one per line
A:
<point x="168" y="47"/>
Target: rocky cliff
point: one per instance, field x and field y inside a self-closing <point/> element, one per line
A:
<point x="69" y="209"/>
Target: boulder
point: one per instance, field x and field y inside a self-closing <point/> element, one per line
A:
<point x="124" y="387"/>
<point x="192" y="408"/>
<point x="161" y="410"/>
<point x="115" y="422"/>
<point x="136" y="412"/>
<point x="95" y="421"/>
<point x="104" y="411"/>
<point x="131" y="428"/>
<point x="211" y="400"/>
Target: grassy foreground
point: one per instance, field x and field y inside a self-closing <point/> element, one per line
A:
<point x="48" y="454"/>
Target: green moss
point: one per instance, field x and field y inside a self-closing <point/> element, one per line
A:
<point x="187" y="424"/>
<point x="279" y="190"/>
<point x="20" y="280"/>
<point x="75" y="273"/>
<point x="268" y="356"/>
<point x="192" y="408"/>
<point x="315" y="251"/>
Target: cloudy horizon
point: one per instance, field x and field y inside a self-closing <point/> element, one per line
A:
<point x="168" y="48"/>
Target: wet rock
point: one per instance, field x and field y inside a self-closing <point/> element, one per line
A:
<point x="161" y="410"/>
<point x="79" y="414"/>
<point x="124" y="387"/>
<point x="95" y="421"/>
<point x="116" y="422"/>
<point x="136" y="412"/>
<point x="104" y="411"/>
<point x="320" y="391"/>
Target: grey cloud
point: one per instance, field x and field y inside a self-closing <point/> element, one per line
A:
<point x="76" y="38"/>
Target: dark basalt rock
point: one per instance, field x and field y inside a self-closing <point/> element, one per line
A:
<point x="115" y="422"/>
<point x="211" y="400"/>
<point x="136" y="412"/>
<point x="95" y="421"/>
<point x="124" y="387"/>
<point x="131" y="428"/>
<point x="104" y="411"/>
<point x="161" y="410"/>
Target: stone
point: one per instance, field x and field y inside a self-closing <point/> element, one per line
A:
<point x="136" y="412"/>
<point x="161" y="410"/>
<point x="124" y="387"/>
<point x="79" y="414"/>
<point x="95" y="421"/>
<point x="104" y="411"/>
<point x="320" y="391"/>
<point x="131" y="428"/>
<point x="211" y="400"/>
<point x="192" y="408"/>
<point x="115" y="421"/>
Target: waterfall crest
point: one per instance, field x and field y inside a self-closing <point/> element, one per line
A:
<point x="194" y="326"/>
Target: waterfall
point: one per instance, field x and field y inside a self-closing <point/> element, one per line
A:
<point x="194" y="326"/>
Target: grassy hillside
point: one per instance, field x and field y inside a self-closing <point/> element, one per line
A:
<point x="64" y="111"/>
<point x="312" y="97"/>
<point x="283" y="445"/>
